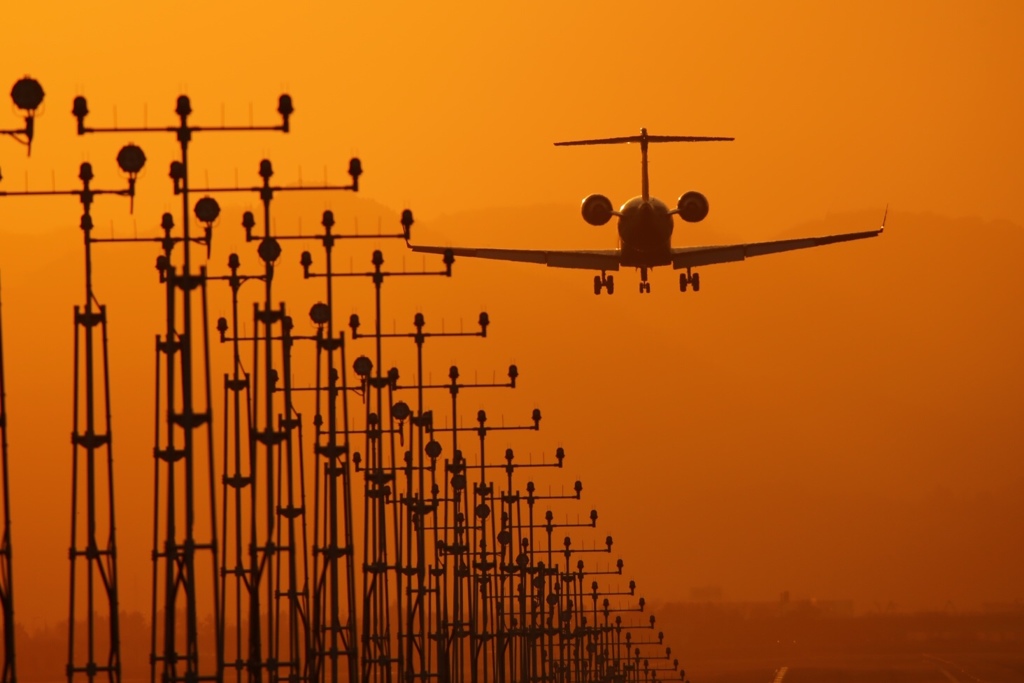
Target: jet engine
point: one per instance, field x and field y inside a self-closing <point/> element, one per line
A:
<point x="597" y="209"/>
<point x="693" y="207"/>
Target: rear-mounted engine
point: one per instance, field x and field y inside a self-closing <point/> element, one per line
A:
<point x="693" y="207"/>
<point x="597" y="209"/>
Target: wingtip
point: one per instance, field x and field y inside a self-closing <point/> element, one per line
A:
<point x="885" y="215"/>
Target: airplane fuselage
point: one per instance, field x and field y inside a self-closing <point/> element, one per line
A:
<point x="645" y="228"/>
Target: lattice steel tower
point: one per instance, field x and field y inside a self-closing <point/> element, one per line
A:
<point x="275" y="571"/>
<point x="6" y="570"/>
<point x="27" y="95"/>
<point x="184" y="441"/>
<point x="93" y="538"/>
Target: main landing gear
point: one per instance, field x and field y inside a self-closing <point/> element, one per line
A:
<point x="603" y="281"/>
<point x="688" y="279"/>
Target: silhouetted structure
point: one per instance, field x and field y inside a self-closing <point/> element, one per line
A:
<point x="27" y="95"/>
<point x="333" y="629"/>
<point x="92" y="492"/>
<point x="281" y="502"/>
<point x="173" y="548"/>
<point x="6" y="569"/>
<point x="236" y="526"/>
<point x="458" y="575"/>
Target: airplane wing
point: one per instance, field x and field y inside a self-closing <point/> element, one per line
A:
<point x="586" y="260"/>
<point x="691" y="257"/>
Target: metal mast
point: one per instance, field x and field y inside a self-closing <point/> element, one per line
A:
<point x="457" y="577"/>
<point x="27" y="95"/>
<point x="92" y="436"/>
<point x="378" y="662"/>
<point x="334" y="630"/>
<point x="6" y="569"/>
<point x="93" y="538"/>
<point x="276" y="522"/>
<point x="186" y="413"/>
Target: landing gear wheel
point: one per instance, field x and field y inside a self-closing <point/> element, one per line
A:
<point x="695" y="281"/>
<point x="683" y="282"/>
<point x="641" y="288"/>
<point x="647" y="287"/>
<point x="597" y="284"/>
<point x="609" y="284"/>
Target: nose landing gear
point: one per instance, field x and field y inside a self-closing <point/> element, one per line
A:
<point x="606" y="282"/>
<point x="688" y="279"/>
<point x="645" y="286"/>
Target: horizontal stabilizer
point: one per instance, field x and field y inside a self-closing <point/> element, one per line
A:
<point x="642" y="138"/>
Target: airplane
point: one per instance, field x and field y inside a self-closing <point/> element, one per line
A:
<point x="645" y="231"/>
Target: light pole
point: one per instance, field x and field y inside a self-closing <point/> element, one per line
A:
<point x="270" y="486"/>
<point x="175" y="540"/>
<point x="27" y="95"/>
<point x="92" y="440"/>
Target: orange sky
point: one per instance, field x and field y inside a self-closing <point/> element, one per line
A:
<point x="841" y="424"/>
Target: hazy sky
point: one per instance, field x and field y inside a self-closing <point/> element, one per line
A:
<point x="840" y="424"/>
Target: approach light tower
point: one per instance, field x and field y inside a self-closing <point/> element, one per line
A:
<point x="27" y="95"/>
<point x="92" y="494"/>
<point x="368" y="651"/>
<point x="275" y="522"/>
<point x="6" y="576"/>
<point x="333" y="631"/>
<point x="186" y="412"/>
